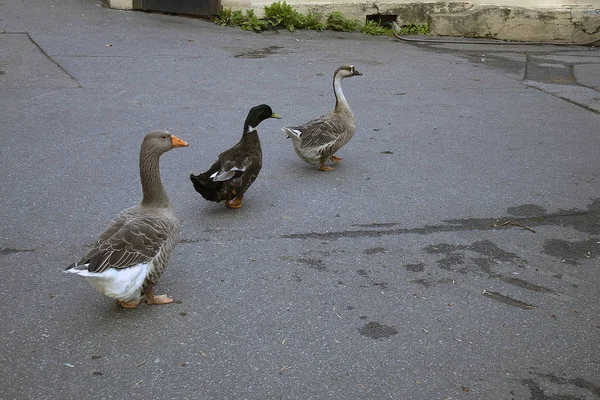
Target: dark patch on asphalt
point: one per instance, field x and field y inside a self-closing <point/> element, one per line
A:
<point x="508" y="300"/>
<point x="7" y="250"/>
<point x="261" y="53"/>
<point x="423" y="282"/>
<point x="525" y="285"/>
<point x="579" y="382"/>
<point x="362" y="272"/>
<point x="484" y="247"/>
<point x="485" y="265"/>
<point x="539" y="70"/>
<point x="441" y="248"/>
<point x="375" y="330"/>
<point x="313" y="263"/>
<point x="415" y="267"/>
<point x="492" y="254"/>
<point x="587" y="221"/>
<point x="538" y="393"/>
<point x="487" y="248"/>
<point x="526" y="210"/>
<point x="571" y="252"/>
<point x="375" y="250"/>
<point x="382" y="285"/>
<point x="377" y="224"/>
<point x="451" y="260"/>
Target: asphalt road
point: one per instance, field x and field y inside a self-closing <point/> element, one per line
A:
<point x="453" y="253"/>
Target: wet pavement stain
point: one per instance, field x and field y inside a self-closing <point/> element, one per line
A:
<point x="313" y="263"/>
<point x="525" y="285"/>
<point x="375" y="250"/>
<point x="7" y="250"/>
<point x="375" y="330"/>
<point x="415" y="267"/>
<point x="261" y="53"/>
<point x="423" y="282"/>
<point x="572" y="252"/>
<point x="538" y="393"/>
<point x="508" y="300"/>
<point x="526" y="210"/>
<point x="586" y="221"/>
<point x="578" y="382"/>
<point x="489" y="250"/>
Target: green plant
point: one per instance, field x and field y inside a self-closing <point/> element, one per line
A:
<point x="374" y="28"/>
<point x="414" y="29"/>
<point x="337" y="22"/>
<point x="313" y="21"/>
<point x="231" y="18"/>
<point x="253" y="23"/>
<point x="283" y="15"/>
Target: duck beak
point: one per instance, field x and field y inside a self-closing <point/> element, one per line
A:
<point x="357" y="72"/>
<point x="275" y="115"/>
<point x="178" y="142"/>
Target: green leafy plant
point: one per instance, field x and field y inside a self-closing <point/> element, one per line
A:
<point x="337" y="22"/>
<point x="374" y="28"/>
<point x="281" y="14"/>
<point x="231" y="18"/>
<point x="414" y="29"/>
<point x="253" y="23"/>
<point x="313" y="21"/>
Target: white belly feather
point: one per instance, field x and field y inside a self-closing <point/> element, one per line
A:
<point x="121" y="284"/>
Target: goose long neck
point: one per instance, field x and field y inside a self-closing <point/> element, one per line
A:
<point x="341" y="104"/>
<point x="152" y="187"/>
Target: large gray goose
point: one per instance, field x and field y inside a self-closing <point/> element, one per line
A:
<point x="317" y="141"/>
<point x="133" y="251"/>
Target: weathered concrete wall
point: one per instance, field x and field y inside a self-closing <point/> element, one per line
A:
<point x="573" y="21"/>
<point x="573" y="25"/>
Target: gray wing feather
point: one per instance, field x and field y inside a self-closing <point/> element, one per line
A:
<point x="132" y="238"/>
<point x="321" y="131"/>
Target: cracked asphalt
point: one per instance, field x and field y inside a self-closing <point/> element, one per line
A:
<point x="452" y="254"/>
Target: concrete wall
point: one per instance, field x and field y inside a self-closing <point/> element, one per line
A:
<point x="571" y="21"/>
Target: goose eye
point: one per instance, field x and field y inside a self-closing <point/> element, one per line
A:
<point x="164" y="136"/>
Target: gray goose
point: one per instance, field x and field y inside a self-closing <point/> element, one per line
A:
<point x="131" y="254"/>
<point x="317" y="141"/>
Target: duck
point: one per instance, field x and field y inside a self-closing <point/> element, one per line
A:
<point x="318" y="140"/>
<point x="131" y="254"/>
<point x="238" y="167"/>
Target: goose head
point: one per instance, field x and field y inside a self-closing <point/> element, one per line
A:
<point x="258" y="114"/>
<point x="346" y="71"/>
<point x="161" y="141"/>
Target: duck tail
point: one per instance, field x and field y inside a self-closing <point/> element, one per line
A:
<point x="206" y="186"/>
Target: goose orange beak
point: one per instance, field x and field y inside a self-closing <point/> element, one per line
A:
<point x="178" y="142"/>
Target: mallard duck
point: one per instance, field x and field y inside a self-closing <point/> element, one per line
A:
<point x="133" y="251"/>
<point x="317" y="141"/>
<point x="235" y="169"/>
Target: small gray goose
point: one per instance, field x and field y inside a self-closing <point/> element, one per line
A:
<point x="133" y="251"/>
<point x="317" y="141"/>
